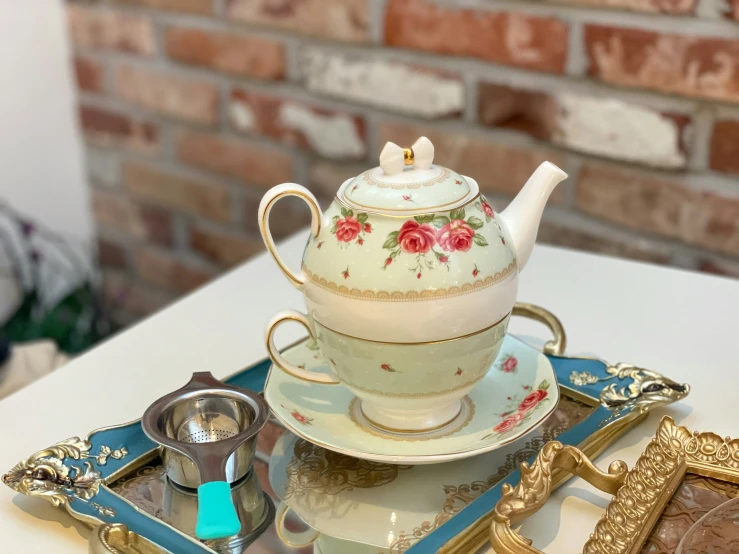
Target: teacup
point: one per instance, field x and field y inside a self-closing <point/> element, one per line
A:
<point x="404" y="387"/>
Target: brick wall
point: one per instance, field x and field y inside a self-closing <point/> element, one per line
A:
<point x="192" y="109"/>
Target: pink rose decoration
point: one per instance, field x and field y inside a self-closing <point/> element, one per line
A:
<point x="510" y="364"/>
<point x="508" y="423"/>
<point x="415" y="238"/>
<point x="347" y="229"/>
<point x="488" y="209"/>
<point x="531" y="400"/>
<point x="299" y="417"/>
<point x="456" y="235"/>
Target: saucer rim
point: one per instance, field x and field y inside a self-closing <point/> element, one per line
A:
<point x="422" y="459"/>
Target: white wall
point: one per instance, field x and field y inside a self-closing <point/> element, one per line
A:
<point x="41" y="158"/>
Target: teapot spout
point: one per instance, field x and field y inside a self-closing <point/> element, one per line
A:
<point x="523" y="214"/>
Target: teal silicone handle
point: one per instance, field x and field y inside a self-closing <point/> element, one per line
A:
<point x="217" y="518"/>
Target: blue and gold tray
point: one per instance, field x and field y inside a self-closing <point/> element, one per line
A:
<point x="84" y="475"/>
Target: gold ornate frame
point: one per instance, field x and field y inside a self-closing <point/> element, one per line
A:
<point x="640" y="496"/>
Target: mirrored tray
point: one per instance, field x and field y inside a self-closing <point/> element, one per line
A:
<point x="89" y="477"/>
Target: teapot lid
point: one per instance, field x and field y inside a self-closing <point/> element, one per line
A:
<point x="407" y="183"/>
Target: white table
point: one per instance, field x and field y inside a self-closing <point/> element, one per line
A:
<point x="679" y="323"/>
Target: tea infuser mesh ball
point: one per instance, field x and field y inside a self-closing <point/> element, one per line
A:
<point x="208" y="431"/>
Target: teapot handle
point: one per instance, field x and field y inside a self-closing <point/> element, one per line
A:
<point x="265" y="206"/>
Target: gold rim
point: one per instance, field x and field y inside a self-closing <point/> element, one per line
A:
<point x="410" y="296"/>
<point x="278" y="363"/>
<point x="280" y="524"/>
<point x="468" y="335"/>
<point x="407" y="458"/>
<point x="412" y="213"/>
<point x="382" y="427"/>
<point x="264" y="228"/>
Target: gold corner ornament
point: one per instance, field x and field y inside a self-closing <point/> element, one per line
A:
<point x="44" y="473"/>
<point x="647" y="387"/>
<point x="535" y="487"/>
<point x="115" y="538"/>
<point x="640" y="495"/>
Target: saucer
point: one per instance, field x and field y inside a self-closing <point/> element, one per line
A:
<point x="515" y="396"/>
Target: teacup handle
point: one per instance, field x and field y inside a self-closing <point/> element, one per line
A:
<point x="290" y="538"/>
<point x="280" y="361"/>
<point x="265" y="206"/>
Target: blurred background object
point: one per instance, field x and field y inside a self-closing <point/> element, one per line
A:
<point x="191" y="109"/>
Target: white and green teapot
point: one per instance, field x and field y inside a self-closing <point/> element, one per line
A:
<point x="410" y="253"/>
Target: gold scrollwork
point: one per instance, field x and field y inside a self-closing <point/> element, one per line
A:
<point x="640" y="495"/>
<point x="646" y="388"/>
<point x="313" y="469"/>
<point x="44" y="473"/>
<point x="536" y="486"/>
<point x="411" y="295"/>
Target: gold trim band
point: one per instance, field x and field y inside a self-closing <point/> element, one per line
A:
<point x="410" y="296"/>
<point x="415" y="395"/>
<point x="267" y="234"/>
<point x="421" y="343"/>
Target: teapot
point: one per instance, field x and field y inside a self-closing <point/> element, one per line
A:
<point x="408" y="253"/>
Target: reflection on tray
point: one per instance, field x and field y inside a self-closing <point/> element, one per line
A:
<point x="150" y="490"/>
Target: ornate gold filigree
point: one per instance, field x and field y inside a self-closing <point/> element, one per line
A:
<point x="411" y="295"/>
<point x="102" y="510"/>
<point x="536" y="486"/>
<point x="647" y="387"/>
<point x="44" y="473"/>
<point x="313" y="469"/>
<point x="115" y="538"/>
<point x="643" y="494"/>
<point x="569" y="413"/>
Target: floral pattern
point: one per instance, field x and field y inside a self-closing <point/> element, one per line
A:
<point x="437" y="235"/>
<point x="388" y="368"/>
<point x="484" y="206"/>
<point x="349" y="227"/>
<point x="300" y="418"/>
<point x="521" y="409"/>
<point x="509" y="364"/>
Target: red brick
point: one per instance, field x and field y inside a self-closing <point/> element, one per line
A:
<point x="648" y="6"/>
<point x="345" y="20"/>
<point x="502" y="37"/>
<point x="561" y="235"/>
<point x="661" y="206"/>
<point x="117" y="212"/>
<point x="325" y="177"/>
<point x="496" y="167"/>
<point x="591" y="124"/>
<point x="186" y="194"/>
<point x="108" y="128"/>
<point x="224" y="248"/>
<point x="165" y="270"/>
<point x="179" y="97"/>
<point x="89" y="74"/>
<point x="122" y="292"/>
<point x="201" y="7"/>
<point x="254" y="164"/>
<point x="725" y="146"/>
<point x="681" y="64"/>
<point x="231" y="53"/>
<point x="111" y="254"/>
<point x="110" y="30"/>
<point x="329" y="133"/>
<point x="288" y="215"/>
<point x="725" y="269"/>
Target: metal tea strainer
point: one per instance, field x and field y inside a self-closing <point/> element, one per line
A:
<point x="209" y="432"/>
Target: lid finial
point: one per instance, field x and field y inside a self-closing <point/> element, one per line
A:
<point x="393" y="158"/>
